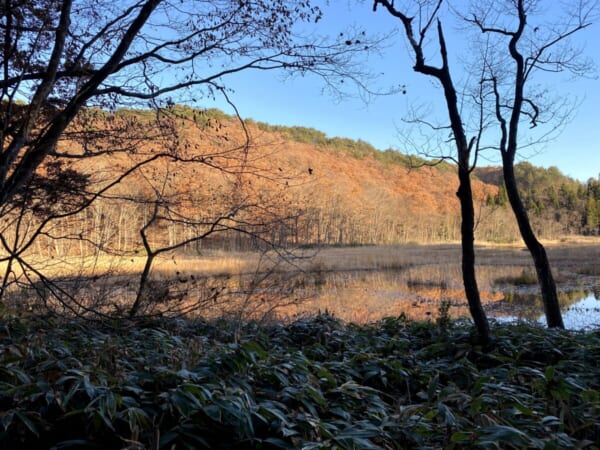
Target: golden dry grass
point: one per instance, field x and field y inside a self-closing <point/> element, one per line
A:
<point x="218" y="264"/>
<point x="357" y="284"/>
<point x="367" y="283"/>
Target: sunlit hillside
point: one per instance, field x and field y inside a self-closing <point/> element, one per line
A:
<point x="178" y="174"/>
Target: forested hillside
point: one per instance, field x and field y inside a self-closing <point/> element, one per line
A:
<point x="239" y="186"/>
<point x="557" y="204"/>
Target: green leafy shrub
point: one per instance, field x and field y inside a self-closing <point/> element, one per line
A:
<point x="313" y="383"/>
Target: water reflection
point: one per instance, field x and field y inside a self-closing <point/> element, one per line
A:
<point x="581" y="310"/>
<point x="583" y="314"/>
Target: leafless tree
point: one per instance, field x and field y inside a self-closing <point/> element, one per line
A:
<point x="520" y="40"/>
<point x="234" y="209"/>
<point x="527" y="40"/>
<point x="61" y="57"/>
<point x="417" y="33"/>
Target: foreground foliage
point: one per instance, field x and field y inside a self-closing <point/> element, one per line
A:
<point x="314" y="383"/>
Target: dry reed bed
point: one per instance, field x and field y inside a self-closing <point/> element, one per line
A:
<point x="366" y="283"/>
<point x="359" y="284"/>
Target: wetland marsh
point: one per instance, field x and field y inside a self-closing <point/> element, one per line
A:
<point x="357" y="284"/>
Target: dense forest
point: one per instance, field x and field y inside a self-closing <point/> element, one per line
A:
<point x="291" y="186"/>
<point x="559" y="205"/>
<point x="552" y="198"/>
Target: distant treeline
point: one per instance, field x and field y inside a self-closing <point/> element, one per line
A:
<point x="551" y="197"/>
<point x="556" y="203"/>
<point x="355" y="148"/>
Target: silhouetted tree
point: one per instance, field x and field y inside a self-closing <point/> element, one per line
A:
<point x="520" y="46"/>
<point x="513" y="49"/>
<point x="416" y="34"/>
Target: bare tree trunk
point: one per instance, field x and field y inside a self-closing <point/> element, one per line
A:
<point x="463" y="149"/>
<point x="537" y="250"/>
<point x="467" y="234"/>
<point x="142" y="285"/>
<point x="508" y="148"/>
<point x="150" y="255"/>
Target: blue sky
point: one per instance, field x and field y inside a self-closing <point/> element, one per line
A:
<point x="270" y="97"/>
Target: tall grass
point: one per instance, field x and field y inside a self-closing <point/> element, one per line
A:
<point x="357" y="283"/>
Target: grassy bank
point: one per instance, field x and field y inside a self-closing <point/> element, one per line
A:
<point x="314" y="383"/>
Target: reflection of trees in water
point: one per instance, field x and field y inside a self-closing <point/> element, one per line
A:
<point x="568" y="298"/>
<point x="518" y="305"/>
<point x="529" y="306"/>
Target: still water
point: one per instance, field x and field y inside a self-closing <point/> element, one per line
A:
<point x="582" y="315"/>
<point x="578" y="314"/>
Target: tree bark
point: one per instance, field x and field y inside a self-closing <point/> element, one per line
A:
<point x="537" y="250"/>
<point x="467" y="233"/>
<point x="142" y="286"/>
